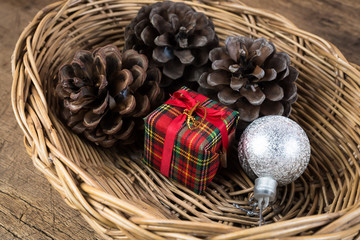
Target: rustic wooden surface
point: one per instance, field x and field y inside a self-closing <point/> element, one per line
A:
<point x="29" y="207"/>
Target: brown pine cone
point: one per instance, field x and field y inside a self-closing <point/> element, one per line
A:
<point x="175" y="38"/>
<point x="104" y="93"/>
<point x="251" y="77"/>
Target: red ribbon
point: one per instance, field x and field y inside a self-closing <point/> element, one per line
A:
<point x="183" y="99"/>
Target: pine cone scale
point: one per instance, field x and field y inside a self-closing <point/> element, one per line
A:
<point x="126" y="131"/>
<point x="261" y="50"/>
<point x="82" y="65"/>
<point x="184" y="56"/>
<point x="91" y="120"/>
<point x="163" y="40"/>
<point x="112" y="124"/>
<point x="127" y="106"/>
<point x="283" y="74"/>
<point x="139" y="75"/>
<point x="142" y="106"/>
<point x="222" y="64"/>
<point x="67" y="73"/>
<point x="199" y="41"/>
<point x="148" y="35"/>
<point x="83" y="93"/>
<point x="202" y="57"/>
<point x="102" y="107"/>
<point x="79" y="128"/>
<point x="218" y="78"/>
<point x="73" y="119"/>
<point x="228" y="96"/>
<point x="120" y="83"/>
<point x="270" y="75"/>
<point x="234" y="49"/>
<point x="289" y="89"/>
<point x="220" y="54"/>
<point x="247" y="112"/>
<point x="203" y="83"/>
<point x="254" y="96"/>
<point x="154" y="92"/>
<point x="237" y="83"/>
<point x="272" y="108"/>
<point x="173" y="69"/>
<point x="258" y="73"/>
<point x="293" y="74"/>
<point x="274" y="92"/>
<point x="162" y="55"/>
<point x="279" y="62"/>
<point x="131" y="58"/>
<point x="76" y="106"/>
<point x="160" y="24"/>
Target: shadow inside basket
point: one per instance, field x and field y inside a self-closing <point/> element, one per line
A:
<point x="324" y="109"/>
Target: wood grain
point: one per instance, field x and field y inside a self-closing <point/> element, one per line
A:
<point x="337" y="21"/>
<point x="29" y="207"/>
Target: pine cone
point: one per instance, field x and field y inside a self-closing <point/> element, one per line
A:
<point x="175" y="38"/>
<point x="104" y="93"/>
<point x="251" y="77"/>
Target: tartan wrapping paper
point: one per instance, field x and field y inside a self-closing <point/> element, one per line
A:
<point x="196" y="153"/>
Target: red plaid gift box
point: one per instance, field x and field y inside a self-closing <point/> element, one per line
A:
<point x="186" y="137"/>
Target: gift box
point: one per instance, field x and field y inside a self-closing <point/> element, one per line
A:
<point x="186" y="138"/>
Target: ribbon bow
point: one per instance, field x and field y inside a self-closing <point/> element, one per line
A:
<point x="191" y="105"/>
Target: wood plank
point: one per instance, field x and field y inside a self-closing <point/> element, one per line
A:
<point x="337" y="21"/>
<point x="27" y="219"/>
<point x="29" y="207"/>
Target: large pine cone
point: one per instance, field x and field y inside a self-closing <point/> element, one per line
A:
<point x="104" y="94"/>
<point x="175" y="38"/>
<point x="251" y="77"/>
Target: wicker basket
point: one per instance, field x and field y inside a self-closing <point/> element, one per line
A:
<point x="121" y="198"/>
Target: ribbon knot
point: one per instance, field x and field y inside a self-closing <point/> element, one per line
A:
<point x="191" y="106"/>
<point x="191" y="122"/>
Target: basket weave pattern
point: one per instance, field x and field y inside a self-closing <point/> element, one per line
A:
<point x="121" y="198"/>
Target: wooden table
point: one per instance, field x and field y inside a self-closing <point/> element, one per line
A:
<point x="29" y="207"/>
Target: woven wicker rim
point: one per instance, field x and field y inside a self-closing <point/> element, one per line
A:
<point x="121" y="198"/>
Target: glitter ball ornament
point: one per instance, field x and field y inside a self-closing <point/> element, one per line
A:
<point x="273" y="150"/>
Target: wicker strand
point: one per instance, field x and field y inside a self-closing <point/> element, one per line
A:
<point x="123" y="199"/>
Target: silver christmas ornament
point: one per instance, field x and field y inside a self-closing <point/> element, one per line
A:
<point x="273" y="150"/>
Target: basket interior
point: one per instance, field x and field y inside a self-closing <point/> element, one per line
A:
<point x="327" y="109"/>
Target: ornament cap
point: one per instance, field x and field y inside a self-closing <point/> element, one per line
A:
<point x="265" y="190"/>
